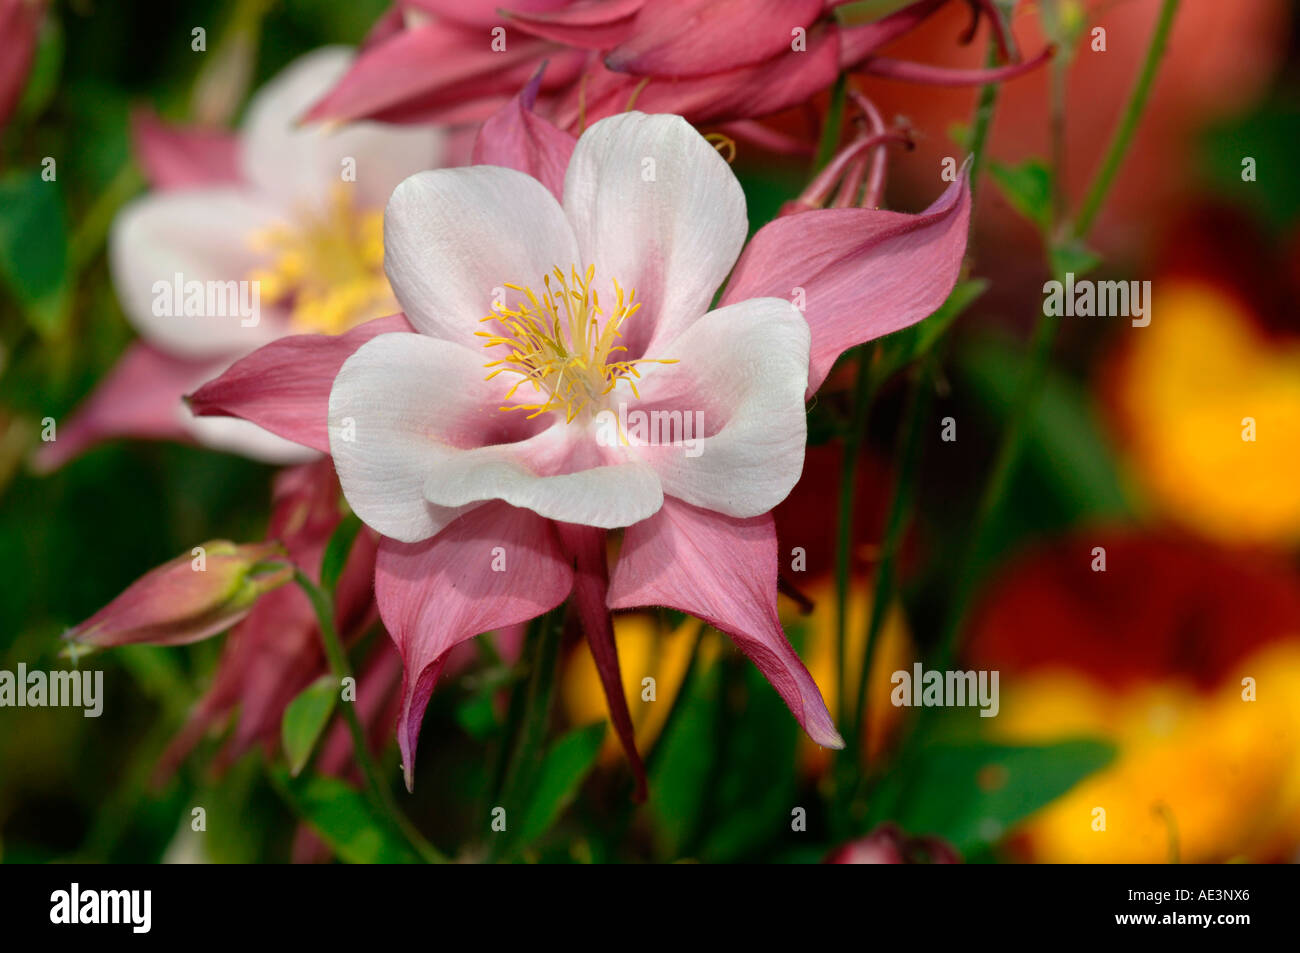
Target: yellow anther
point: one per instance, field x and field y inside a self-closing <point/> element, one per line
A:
<point x="327" y="268"/>
<point x="561" y="341"/>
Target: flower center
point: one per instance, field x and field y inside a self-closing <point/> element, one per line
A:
<point x="328" y="267"/>
<point x="561" y="341"/>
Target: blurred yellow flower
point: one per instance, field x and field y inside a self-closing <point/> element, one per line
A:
<point x="1211" y="410"/>
<point x="646" y="649"/>
<point x="893" y="652"/>
<point x="1200" y="777"/>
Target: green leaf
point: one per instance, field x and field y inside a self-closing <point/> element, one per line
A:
<point x="305" y="718"/>
<point x="903" y="347"/>
<point x="1071" y="460"/>
<point x="1028" y="189"/>
<point x="1073" y="256"/>
<point x="34" y="248"/>
<point x="970" y="794"/>
<point x="680" y="766"/>
<point x="929" y="331"/>
<point x="960" y="133"/>
<point x="477" y="715"/>
<point x="1249" y="159"/>
<point x="337" y="551"/>
<point x="752" y="792"/>
<point x="344" y="819"/>
<point x="566" y="765"/>
<point x="43" y="79"/>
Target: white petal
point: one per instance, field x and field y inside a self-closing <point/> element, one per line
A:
<point x="742" y="371"/>
<point x="298" y="164"/>
<point x="454" y="238"/>
<point x="232" y="435"/>
<point x="201" y="235"/>
<point x="555" y="474"/>
<point x="656" y="208"/>
<point x="398" y="406"/>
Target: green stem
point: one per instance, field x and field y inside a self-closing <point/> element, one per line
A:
<point x="900" y="508"/>
<point x="530" y="716"/>
<point x="985" y="106"/>
<point x="1060" y="72"/>
<point x="1035" y="373"/>
<point x="1004" y="466"/>
<point x="862" y="392"/>
<point x="834" y="122"/>
<point x="901" y="501"/>
<point x="1128" y="124"/>
<point x="89" y="235"/>
<point x="382" y="797"/>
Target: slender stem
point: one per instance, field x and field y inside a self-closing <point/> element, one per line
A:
<point x="899" y="512"/>
<point x="339" y="666"/>
<point x="1008" y="455"/>
<point x="991" y="499"/>
<point x="1060" y="72"/>
<point x="862" y="392"/>
<point x="531" y="714"/>
<point x="985" y="106"/>
<point x="901" y="501"/>
<point x="88" y="237"/>
<point x="1128" y="124"/>
<point x="834" y="122"/>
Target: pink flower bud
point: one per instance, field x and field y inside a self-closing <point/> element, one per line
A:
<point x="887" y="844"/>
<point x="190" y="598"/>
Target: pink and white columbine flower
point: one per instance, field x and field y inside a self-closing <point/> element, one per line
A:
<point x="295" y="209"/>
<point x="471" y="437"/>
<point x="533" y="319"/>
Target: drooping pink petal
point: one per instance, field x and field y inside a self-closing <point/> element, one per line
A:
<point x="284" y="386"/>
<point x="587" y="24"/>
<point x="180" y="157"/>
<point x="189" y="598"/>
<point x="391" y="22"/>
<point x="432" y="69"/>
<point x="745" y="92"/>
<point x="858" y="42"/>
<point x="267" y="660"/>
<point x="702" y="37"/>
<point x="139" y="397"/>
<point x="483" y="12"/>
<point x="861" y="273"/>
<point x="765" y="137"/>
<point x="586" y="547"/>
<point x="724" y="571"/>
<point x="435" y="594"/>
<point x="948" y="76"/>
<point x="516" y="138"/>
<point x="19" y="23"/>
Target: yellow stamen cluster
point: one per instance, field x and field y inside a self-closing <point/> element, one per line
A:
<point x="561" y="341"/>
<point x="328" y="267"/>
